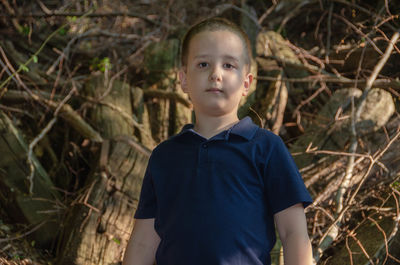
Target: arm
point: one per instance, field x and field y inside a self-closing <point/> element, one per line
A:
<point x="143" y="244"/>
<point x="292" y="228"/>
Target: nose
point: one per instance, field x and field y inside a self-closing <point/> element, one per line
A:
<point x="215" y="74"/>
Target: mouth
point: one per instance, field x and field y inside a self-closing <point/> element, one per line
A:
<point x="214" y="90"/>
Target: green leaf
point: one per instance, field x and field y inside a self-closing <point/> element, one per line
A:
<point x="105" y="64"/>
<point x="23" y="68"/>
<point x="35" y="59"/>
<point x="25" y="30"/>
<point x="72" y="18"/>
<point x="62" y="32"/>
<point x="395" y="185"/>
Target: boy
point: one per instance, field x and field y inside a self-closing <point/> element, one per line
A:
<point x="212" y="193"/>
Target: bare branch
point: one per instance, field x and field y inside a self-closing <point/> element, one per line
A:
<point x="91" y="15"/>
<point x="333" y="230"/>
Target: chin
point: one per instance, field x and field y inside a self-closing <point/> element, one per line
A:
<point x="217" y="112"/>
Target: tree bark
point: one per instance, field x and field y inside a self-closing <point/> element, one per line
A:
<point x="99" y="223"/>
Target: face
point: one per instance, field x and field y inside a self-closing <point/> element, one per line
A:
<point x="216" y="75"/>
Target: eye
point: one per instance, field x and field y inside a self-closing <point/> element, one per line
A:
<point x="202" y="65"/>
<point x="229" y="66"/>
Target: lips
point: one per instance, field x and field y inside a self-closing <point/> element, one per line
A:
<point x="215" y="90"/>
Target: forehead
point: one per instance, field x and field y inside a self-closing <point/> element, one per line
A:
<point x="216" y="43"/>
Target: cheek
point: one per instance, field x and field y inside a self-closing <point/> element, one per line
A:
<point x="236" y="81"/>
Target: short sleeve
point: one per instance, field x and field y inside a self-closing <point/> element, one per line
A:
<point x="147" y="206"/>
<point x="283" y="182"/>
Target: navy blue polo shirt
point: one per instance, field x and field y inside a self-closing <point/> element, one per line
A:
<point x="213" y="200"/>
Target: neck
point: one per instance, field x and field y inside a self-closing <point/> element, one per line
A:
<point x="208" y="126"/>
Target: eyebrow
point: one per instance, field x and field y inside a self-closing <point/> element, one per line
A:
<point x="229" y="57"/>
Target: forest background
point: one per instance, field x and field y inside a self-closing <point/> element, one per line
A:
<point x="88" y="88"/>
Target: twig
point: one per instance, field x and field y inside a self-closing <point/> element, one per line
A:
<point x="65" y="52"/>
<point x="328" y="37"/>
<point x="349" y="250"/>
<point x="110" y="83"/>
<point x="359" y="32"/>
<point x="123" y="113"/>
<point x="11" y="11"/>
<point x="384" y="237"/>
<point x="134" y="144"/>
<point x="390" y="14"/>
<point x="366" y="11"/>
<point x="17" y="79"/>
<point x="362" y="248"/>
<point x="387" y="39"/>
<point x="31" y="146"/>
<point x="266" y="13"/>
<point x="24" y="234"/>
<point x="310" y="150"/>
<point x="72" y="117"/>
<point x="387" y="242"/>
<point x="308" y="100"/>
<point x="150" y="93"/>
<point x="292" y="13"/>
<point x="258" y="115"/>
<point x="40" y="137"/>
<point x="344" y="186"/>
<point x="310" y="68"/>
<point x="6" y="67"/>
<point x="24" y="65"/>
<point x="43" y="7"/>
<point x="383" y="83"/>
<point x="382" y="61"/>
<point x="15" y="110"/>
<point x="223" y="7"/>
<point x="316" y="31"/>
<point x="384" y="22"/>
<point x="131" y="57"/>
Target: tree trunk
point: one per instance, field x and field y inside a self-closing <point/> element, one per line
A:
<point x="101" y="220"/>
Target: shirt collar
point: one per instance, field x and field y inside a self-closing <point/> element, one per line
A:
<point x="244" y="128"/>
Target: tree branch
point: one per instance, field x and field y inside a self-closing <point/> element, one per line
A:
<point x="333" y="230"/>
<point x="92" y="15"/>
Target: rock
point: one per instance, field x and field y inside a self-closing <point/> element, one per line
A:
<point x="326" y="133"/>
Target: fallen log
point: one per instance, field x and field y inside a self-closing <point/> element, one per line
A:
<point x="35" y="208"/>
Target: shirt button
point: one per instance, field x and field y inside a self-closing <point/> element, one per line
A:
<point x="205" y="145"/>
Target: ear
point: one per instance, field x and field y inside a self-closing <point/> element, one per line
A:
<point x="183" y="80"/>
<point x="247" y="82"/>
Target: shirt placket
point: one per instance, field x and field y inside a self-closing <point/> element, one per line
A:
<point x="203" y="158"/>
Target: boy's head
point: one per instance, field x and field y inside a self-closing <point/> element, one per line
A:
<point x="215" y="71"/>
<point x="215" y="24"/>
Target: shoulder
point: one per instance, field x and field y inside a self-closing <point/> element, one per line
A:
<point x="267" y="138"/>
<point x="162" y="147"/>
<point x="166" y="147"/>
<point x="270" y="147"/>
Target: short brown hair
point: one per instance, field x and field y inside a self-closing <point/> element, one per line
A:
<point x="215" y="24"/>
